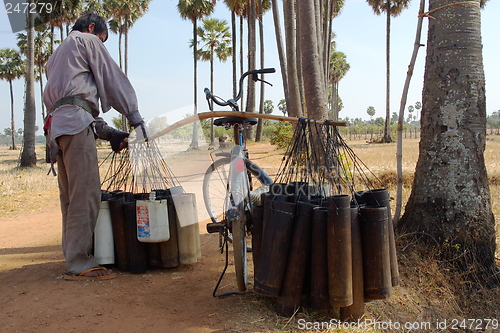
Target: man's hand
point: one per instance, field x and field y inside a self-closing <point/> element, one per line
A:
<point x="118" y="140"/>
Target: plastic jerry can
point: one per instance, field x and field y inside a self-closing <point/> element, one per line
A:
<point x="188" y="234"/>
<point x="104" y="251"/>
<point x="152" y="221"/>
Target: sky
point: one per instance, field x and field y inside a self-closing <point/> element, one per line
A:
<point x="161" y="64"/>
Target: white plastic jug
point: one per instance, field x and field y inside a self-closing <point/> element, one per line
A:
<point x="104" y="246"/>
<point x="188" y="232"/>
<point x="152" y="221"/>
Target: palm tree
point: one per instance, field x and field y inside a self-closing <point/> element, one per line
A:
<point x="262" y="6"/>
<point x="391" y="8"/>
<point x="28" y="154"/>
<point x="63" y="12"/>
<point x="124" y="14"/>
<point x="216" y="40"/>
<point x="194" y="10"/>
<point x="42" y="53"/>
<point x="338" y="69"/>
<point x="370" y="111"/>
<point x="11" y="68"/>
<point x="237" y="8"/>
<point x="450" y="202"/>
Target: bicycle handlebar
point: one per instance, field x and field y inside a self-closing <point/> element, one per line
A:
<point x="232" y="102"/>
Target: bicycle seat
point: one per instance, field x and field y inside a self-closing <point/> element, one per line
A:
<point x="234" y="120"/>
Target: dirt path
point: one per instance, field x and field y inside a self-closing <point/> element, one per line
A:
<point x="35" y="297"/>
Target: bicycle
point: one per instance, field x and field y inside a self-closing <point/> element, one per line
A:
<point x="229" y="182"/>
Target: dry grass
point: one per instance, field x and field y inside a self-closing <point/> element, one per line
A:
<point x="427" y="294"/>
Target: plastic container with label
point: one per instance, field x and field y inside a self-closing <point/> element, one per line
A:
<point x="152" y="221"/>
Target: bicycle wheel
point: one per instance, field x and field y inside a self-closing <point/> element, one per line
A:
<point x="215" y="185"/>
<point x="240" y="252"/>
<point x="215" y="188"/>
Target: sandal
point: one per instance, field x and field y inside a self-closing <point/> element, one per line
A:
<point x="83" y="277"/>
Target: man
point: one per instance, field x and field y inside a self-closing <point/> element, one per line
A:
<point x="81" y="73"/>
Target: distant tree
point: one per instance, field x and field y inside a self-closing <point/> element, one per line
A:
<point x="411" y="108"/>
<point x="42" y="54"/>
<point x="215" y="40"/>
<point x="390" y="8"/>
<point x="370" y="111"/>
<point x="394" y="118"/>
<point x="338" y="69"/>
<point x="268" y="106"/>
<point x="124" y="14"/>
<point x="418" y="106"/>
<point x="12" y="67"/>
<point x="194" y="10"/>
<point x="282" y="107"/>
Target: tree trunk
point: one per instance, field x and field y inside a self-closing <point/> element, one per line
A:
<point x="260" y="127"/>
<point x="399" y="152"/>
<point x="124" y="119"/>
<point x="212" y="130"/>
<point x="250" y="107"/>
<point x="312" y="69"/>
<point x="28" y="155"/>
<point x="387" y="128"/>
<point x="41" y="91"/>
<point x="450" y="199"/>
<point x="234" y="43"/>
<point x="194" y="140"/>
<point x="300" y="78"/>
<point x="293" y="102"/>
<point x="120" y="56"/>
<point x="12" y="122"/>
<point x="242" y="66"/>
<point x="281" y="51"/>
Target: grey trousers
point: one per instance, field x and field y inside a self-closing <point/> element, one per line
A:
<point x="80" y="195"/>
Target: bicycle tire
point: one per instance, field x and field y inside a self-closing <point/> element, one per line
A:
<point x="215" y="185"/>
<point x="214" y="194"/>
<point x="240" y="253"/>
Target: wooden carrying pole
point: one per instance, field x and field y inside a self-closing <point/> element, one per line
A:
<point x="215" y="114"/>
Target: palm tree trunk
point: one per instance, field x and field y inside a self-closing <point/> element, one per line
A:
<point x="120" y="56"/>
<point x="387" y="128"/>
<point x="234" y="43"/>
<point x="52" y="39"/>
<point x="212" y="132"/>
<point x="126" y="45"/>
<point x="314" y="84"/>
<point x="28" y="155"/>
<point x="41" y="92"/>
<point x="450" y="199"/>
<point x="241" y="57"/>
<point x="399" y="152"/>
<point x="194" y="140"/>
<point x="293" y="102"/>
<point x="328" y="38"/>
<point x="281" y="51"/>
<point x="258" y="135"/>
<point x="298" y="65"/>
<point x="124" y="119"/>
<point x="250" y="106"/>
<point x="12" y="124"/>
